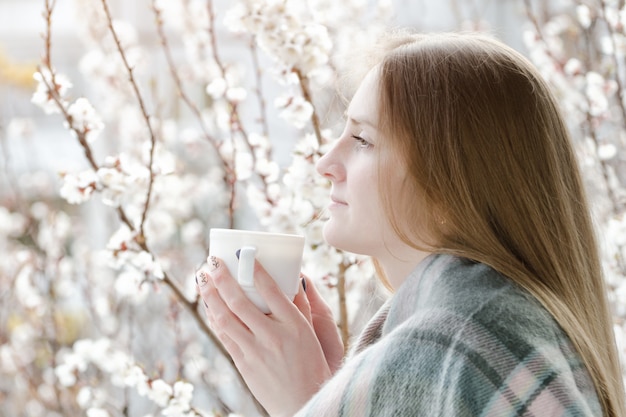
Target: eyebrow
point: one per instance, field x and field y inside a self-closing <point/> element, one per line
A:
<point x="357" y="121"/>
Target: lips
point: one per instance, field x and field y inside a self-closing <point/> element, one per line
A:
<point x="337" y="200"/>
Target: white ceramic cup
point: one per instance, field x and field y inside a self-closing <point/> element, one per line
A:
<point x="280" y="255"/>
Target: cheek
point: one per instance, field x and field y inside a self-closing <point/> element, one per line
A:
<point x="375" y="205"/>
<point x="393" y="193"/>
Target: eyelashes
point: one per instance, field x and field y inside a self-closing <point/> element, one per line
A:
<point x="361" y="143"/>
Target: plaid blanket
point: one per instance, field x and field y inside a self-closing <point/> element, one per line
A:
<point x="459" y="339"/>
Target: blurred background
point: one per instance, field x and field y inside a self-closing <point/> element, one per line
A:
<point x="237" y="100"/>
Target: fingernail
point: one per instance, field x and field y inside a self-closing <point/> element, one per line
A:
<point x="214" y="263"/>
<point x="303" y="284"/>
<point x="237" y="253"/>
<point x="204" y="278"/>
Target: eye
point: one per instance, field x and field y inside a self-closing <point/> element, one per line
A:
<point x="361" y="143"/>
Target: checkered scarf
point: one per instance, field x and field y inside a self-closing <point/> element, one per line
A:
<point x="459" y="339"/>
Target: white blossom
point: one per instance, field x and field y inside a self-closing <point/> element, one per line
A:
<point x="192" y="231"/>
<point x="269" y="169"/>
<point x="115" y="184"/>
<point x="92" y="350"/>
<point x="56" y="228"/>
<point x="84" y="397"/>
<point x="123" y="239"/>
<point x="66" y="374"/>
<point x="164" y="161"/>
<point x="183" y="391"/>
<point x="42" y="96"/>
<point x="25" y="291"/>
<point x="77" y="189"/>
<point x="21" y="127"/>
<point x="8" y="364"/>
<point x="295" y="110"/>
<point x="160" y="392"/>
<point x="11" y="223"/>
<point x="180" y="404"/>
<point x="584" y="15"/>
<point x="97" y="412"/>
<point x="611" y="16"/>
<point x="598" y="90"/>
<point x="573" y="67"/>
<point x="135" y="377"/>
<point x="243" y="165"/>
<point x="85" y="119"/>
<point x="142" y="262"/>
<point x="217" y="88"/>
<point x="236" y="94"/>
<point x="607" y="151"/>
<point x="23" y="335"/>
<point x="172" y="12"/>
<point x="88" y="397"/>
<point x="294" y="43"/>
<point x="130" y="283"/>
<point x="122" y="179"/>
<point x="34" y="407"/>
<point x="321" y="261"/>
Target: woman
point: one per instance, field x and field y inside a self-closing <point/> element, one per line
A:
<point x="455" y="172"/>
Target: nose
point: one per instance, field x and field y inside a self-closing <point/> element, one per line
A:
<point x="329" y="165"/>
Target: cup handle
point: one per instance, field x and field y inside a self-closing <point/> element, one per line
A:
<point x="245" y="270"/>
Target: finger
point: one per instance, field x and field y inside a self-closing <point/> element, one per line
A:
<point x="234" y="297"/>
<point x="202" y="278"/>
<point x="232" y="347"/>
<point x="302" y="302"/>
<point x="221" y="319"/>
<point x="279" y="304"/>
<point x="317" y="303"/>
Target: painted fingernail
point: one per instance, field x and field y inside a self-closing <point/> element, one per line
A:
<point x="214" y="263"/>
<point x="204" y="278"/>
<point x="237" y="253"/>
<point x="303" y="284"/>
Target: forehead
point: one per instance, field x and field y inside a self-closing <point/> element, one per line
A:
<point x="364" y="104"/>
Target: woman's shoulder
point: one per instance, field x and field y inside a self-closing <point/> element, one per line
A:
<point x="484" y="338"/>
<point x="459" y="339"/>
<point x="458" y="291"/>
<point x="468" y="306"/>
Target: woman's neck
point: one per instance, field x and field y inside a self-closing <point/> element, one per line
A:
<point x="398" y="265"/>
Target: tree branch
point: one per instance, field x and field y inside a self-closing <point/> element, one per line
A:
<point x="144" y="112"/>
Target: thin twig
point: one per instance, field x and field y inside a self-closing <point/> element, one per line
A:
<point x="589" y="119"/>
<point x="236" y="125"/>
<point x="144" y="112"/>
<point x="616" y="63"/>
<point x="259" y="85"/>
<point x="6" y="168"/>
<point x="234" y="117"/>
<point x="179" y="84"/>
<point x="230" y="177"/>
<point x="192" y="306"/>
<point x="306" y="94"/>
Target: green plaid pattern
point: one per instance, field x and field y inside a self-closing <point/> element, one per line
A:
<point x="459" y="339"/>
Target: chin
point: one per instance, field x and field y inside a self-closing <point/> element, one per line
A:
<point x="333" y="236"/>
<point x="342" y="239"/>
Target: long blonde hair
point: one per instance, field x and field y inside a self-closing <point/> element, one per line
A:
<point x="489" y="156"/>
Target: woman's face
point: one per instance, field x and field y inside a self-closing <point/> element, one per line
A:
<point x="357" y="222"/>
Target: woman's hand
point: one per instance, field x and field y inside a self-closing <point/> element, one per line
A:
<point x="321" y="317"/>
<point x="278" y="355"/>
